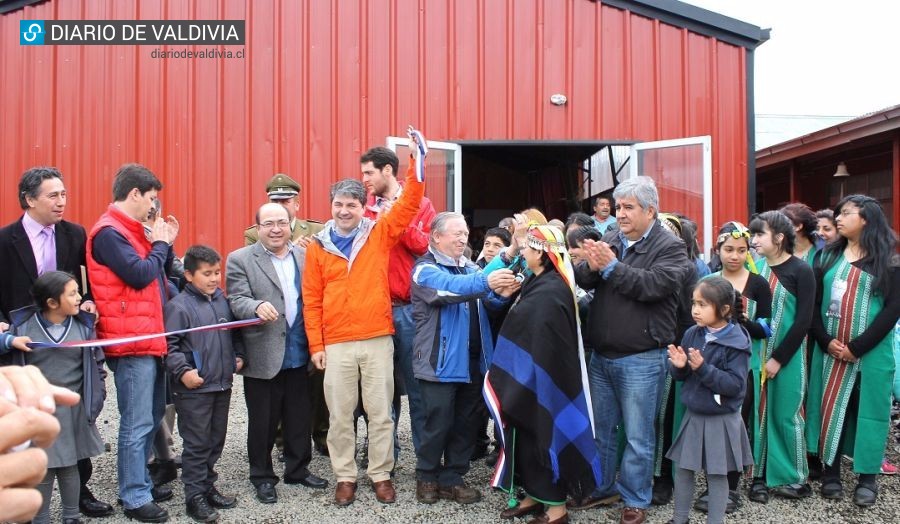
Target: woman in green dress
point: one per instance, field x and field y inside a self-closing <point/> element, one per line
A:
<point x="857" y="304"/>
<point x="805" y="225"/>
<point x="779" y="446"/>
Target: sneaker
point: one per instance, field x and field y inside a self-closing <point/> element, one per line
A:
<point x="887" y="468"/>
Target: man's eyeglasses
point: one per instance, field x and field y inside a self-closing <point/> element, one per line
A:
<point x="269" y="224"/>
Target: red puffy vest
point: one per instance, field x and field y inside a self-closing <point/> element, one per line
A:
<point x="125" y="311"/>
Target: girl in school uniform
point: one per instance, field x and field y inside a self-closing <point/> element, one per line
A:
<point x="738" y="268"/>
<point x="712" y="361"/>
<point x="55" y="319"/>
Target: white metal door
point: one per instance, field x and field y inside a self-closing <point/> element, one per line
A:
<point x="443" y="171"/>
<point x="682" y="170"/>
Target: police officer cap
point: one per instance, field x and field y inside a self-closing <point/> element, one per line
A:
<point x="282" y="186"/>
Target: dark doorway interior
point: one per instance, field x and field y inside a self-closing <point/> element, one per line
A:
<point x="499" y="180"/>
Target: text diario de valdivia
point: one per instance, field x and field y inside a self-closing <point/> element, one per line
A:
<point x="144" y="32"/>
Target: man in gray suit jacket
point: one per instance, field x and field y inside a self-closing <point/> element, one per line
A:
<point x="264" y="280"/>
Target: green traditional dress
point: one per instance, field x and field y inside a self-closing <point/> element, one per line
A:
<point x="849" y="306"/>
<point x="779" y="447"/>
<point x="810" y="255"/>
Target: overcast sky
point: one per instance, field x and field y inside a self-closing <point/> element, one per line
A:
<point x="824" y="57"/>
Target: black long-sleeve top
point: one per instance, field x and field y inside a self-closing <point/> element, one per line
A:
<point x="879" y="328"/>
<point x="797" y="278"/>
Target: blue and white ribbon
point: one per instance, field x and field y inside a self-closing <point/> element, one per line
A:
<point x="125" y="340"/>
<point x="416" y="139"/>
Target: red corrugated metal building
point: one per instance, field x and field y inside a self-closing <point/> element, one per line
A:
<point x="322" y="81"/>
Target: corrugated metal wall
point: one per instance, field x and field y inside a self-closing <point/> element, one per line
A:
<point x="324" y="80"/>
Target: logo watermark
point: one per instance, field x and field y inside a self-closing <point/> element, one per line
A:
<point x="131" y="32"/>
<point x="31" y="32"/>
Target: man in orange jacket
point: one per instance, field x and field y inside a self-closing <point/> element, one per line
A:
<point x="347" y="310"/>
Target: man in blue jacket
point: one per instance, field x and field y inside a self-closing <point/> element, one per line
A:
<point x="452" y="344"/>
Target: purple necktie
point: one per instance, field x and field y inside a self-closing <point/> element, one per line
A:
<point x="49" y="259"/>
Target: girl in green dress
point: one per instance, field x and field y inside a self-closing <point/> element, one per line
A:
<point x="857" y="305"/>
<point x="805" y="224"/>
<point x="779" y="445"/>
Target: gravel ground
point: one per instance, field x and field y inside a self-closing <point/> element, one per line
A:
<point x="301" y="504"/>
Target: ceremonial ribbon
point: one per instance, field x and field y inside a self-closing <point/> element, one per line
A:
<point x="416" y="139"/>
<point x="124" y="340"/>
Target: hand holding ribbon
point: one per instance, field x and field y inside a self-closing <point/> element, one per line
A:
<point x="419" y="150"/>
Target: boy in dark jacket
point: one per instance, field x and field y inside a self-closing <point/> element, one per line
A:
<point x="202" y="364"/>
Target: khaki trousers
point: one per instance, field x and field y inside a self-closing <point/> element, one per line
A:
<point x="369" y="364"/>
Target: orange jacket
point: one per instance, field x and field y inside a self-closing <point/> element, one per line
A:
<point x="349" y="299"/>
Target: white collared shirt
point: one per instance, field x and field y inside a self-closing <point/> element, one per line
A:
<point x="286" y="269"/>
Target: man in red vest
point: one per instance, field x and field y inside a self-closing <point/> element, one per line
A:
<point x="127" y="269"/>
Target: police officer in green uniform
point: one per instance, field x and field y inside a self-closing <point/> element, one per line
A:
<point x="284" y="190"/>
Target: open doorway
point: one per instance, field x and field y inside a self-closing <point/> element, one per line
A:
<point x="488" y="181"/>
<point x="557" y="178"/>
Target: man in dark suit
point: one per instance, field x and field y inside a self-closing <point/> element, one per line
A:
<point x="38" y="242"/>
<point x="263" y="280"/>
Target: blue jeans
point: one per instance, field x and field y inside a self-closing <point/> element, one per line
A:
<point x="404" y="331"/>
<point x="141" y="394"/>
<point x="627" y="390"/>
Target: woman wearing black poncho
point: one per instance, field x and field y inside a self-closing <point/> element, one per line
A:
<point x="537" y="389"/>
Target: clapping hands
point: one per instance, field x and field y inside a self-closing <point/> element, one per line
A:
<point x="680" y="358"/>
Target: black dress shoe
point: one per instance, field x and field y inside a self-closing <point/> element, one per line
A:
<point x="521" y="511"/>
<point x="793" y="491"/>
<point x="149" y="512"/>
<point x="832" y="489"/>
<point x="198" y="509"/>
<point x="266" y="493"/>
<point x="220" y="501"/>
<point x="759" y="492"/>
<point x="310" y="481"/>
<point x="865" y="495"/>
<point x="91" y="507"/>
<point x="71" y="521"/>
<point x="662" y="493"/>
<point x="161" y="493"/>
<point x="162" y="472"/>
